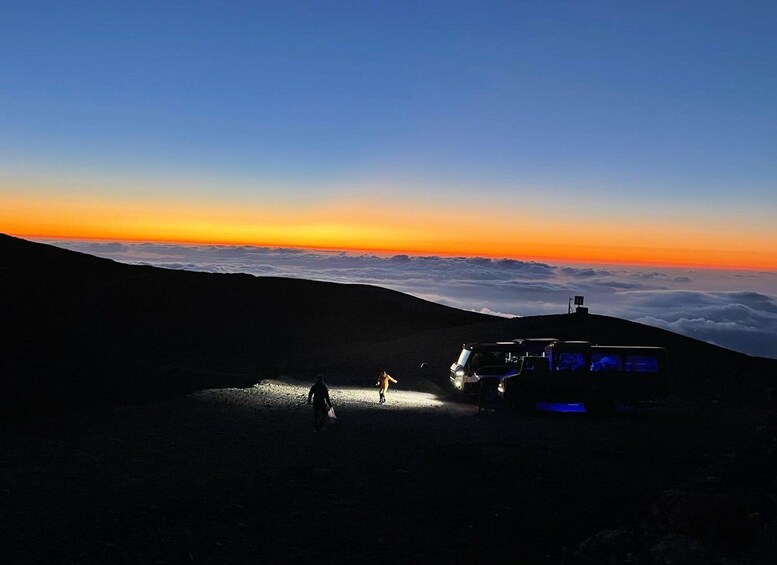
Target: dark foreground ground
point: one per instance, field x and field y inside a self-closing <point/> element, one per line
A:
<point x="238" y="476"/>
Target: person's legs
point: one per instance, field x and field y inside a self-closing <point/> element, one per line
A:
<point x="319" y="417"/>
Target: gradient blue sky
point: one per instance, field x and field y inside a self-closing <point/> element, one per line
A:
<point x="576" y="95"/>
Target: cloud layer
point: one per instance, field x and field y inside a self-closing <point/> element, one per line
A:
<point x="737" y="310"/>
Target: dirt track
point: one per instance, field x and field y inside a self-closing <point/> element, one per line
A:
<point x="237" y="475"/>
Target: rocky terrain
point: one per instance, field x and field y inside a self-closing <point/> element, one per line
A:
<point x="157" y="416"/>
<point x="238" y="475"/>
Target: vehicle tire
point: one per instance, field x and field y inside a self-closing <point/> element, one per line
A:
<point x="523" y="402"/>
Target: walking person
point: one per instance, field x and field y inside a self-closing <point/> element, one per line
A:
<point x="319" y="394"/>
<point x="383" y="382"/>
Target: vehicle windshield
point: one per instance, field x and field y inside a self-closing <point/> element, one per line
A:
<point x="497" y="357"/>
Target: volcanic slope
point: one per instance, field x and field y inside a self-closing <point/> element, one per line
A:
<point x="77" y="327"/>
<point x="73" y="323"/>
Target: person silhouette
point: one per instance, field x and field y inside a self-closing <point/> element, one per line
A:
<point x="383" y="382"/>
<point x="319" y="394"/>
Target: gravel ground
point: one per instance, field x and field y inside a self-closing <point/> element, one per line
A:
<point x="238" y="476"/>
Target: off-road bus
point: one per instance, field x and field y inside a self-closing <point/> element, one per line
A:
<point x="599" y="376"/>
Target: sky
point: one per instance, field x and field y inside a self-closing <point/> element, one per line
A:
<point x="574" y="134"/>
<point x="595" y="131"/>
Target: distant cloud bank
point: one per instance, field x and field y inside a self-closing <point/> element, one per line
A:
<point x="737" y="310"/>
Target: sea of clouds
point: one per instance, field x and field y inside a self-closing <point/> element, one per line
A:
<point x="734" y="309"/>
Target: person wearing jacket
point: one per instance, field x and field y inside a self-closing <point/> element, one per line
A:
<point x="319" y="394"/>
<point x="383" y="382"/>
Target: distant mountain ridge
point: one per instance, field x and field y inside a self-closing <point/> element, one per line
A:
<point x="76" y="327"/>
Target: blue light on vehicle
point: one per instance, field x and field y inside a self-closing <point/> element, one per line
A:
<point x="569" y="407"/>
<point x="574" y="407"/>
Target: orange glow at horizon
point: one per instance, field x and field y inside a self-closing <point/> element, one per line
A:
<point x="399" y="227"/>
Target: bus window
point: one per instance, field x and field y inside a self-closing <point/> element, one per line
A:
<point x="569" y="361"/>
<point x="641" y="364"/>
<point x="606" y="362"/>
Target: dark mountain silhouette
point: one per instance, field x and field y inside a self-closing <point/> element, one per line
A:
<point x="77" y="327"/>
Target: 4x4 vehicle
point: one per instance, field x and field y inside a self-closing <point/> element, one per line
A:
<point x="600" y="376"/>
<point x="478" y="361"/>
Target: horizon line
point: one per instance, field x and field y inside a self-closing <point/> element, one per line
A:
<point x="410" y="252"/>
